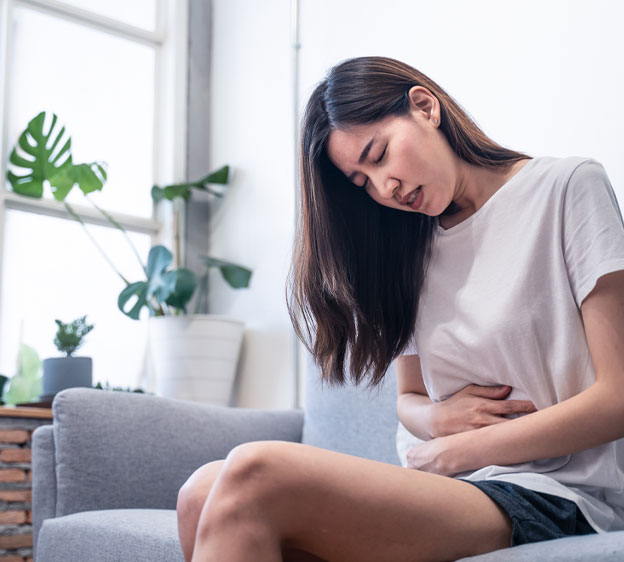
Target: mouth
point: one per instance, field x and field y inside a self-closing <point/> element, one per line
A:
<point x="414" y="199"/>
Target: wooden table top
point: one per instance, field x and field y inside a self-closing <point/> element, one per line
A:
<point x="25" y="412"/>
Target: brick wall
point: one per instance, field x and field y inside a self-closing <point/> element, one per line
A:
<point x="16" y="539"/>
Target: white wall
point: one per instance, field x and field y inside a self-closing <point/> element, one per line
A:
<point x="541" y="77"/>
<point x="251" y="114"/>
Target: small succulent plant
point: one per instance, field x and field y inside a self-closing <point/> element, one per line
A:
<point x="69" y="336"/>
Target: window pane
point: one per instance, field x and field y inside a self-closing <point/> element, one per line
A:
<point x="102" y="89"/>
<point x="52" y="270"/>
<point x="141" y="13"/>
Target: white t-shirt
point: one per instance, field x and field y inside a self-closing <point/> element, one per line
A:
<point x="501" y="305"/>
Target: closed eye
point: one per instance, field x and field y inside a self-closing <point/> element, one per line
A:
<point x="378" y="161"/>
<point x="382" y="155"/>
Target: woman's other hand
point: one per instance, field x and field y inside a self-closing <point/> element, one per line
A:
<point x="438" y="456"/>
<point x="473" y="407"/>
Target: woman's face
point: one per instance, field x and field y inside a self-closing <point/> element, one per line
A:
<point x="399" y="158"/>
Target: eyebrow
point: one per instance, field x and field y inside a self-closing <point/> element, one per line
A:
<point x="363" y="156"/>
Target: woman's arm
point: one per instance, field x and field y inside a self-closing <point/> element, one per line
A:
<point x="590" y="418"/>
<point x="472" y="407"/>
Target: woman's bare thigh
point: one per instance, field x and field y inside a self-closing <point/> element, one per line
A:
<point x="202" y="481"/>
<point x="344" y="508"/>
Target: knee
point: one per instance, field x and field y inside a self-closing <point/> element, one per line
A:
<point x="251" y="473"/>
<point x="193" y="493"/>
<point x="188" y="501"/>
<point x="251" y="488"/>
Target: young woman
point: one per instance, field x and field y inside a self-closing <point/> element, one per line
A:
<point x="497" y="280"/>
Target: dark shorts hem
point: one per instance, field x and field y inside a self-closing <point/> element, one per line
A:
<point x="535" y="516"/>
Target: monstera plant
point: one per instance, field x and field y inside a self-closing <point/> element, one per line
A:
<point x="41" y="157"/>
<point x="48" y="164"/>
<point x="192" y="357"/>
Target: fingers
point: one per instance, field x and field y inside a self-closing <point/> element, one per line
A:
<point x="514" y="407"/>
<point x="494" y="392"/>
<point x="499" y="392"/>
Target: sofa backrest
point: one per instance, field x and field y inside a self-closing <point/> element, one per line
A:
<point x="352" y="419"/>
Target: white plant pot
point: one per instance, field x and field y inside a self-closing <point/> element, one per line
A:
<point x="194" y="357"/>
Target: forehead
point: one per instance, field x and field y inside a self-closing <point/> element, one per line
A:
<point x="345" y="146"/>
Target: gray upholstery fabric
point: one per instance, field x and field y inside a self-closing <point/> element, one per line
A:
<point x="607" y="547"/>
<point x="352" y="420"/>
<point x="44" y="478"/>
<point x="132" y="451"/>
<point x="125" y="450"/>
<point x="139" y="535"/>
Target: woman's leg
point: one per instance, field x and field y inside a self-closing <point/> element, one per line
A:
<point x="191" y="499"/>
<point x="273" y="495"/>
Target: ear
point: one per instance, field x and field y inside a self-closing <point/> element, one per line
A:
<point x="423" y="102"/>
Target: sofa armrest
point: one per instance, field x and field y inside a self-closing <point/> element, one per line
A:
<point x="44" y="478"/>
<point x="126" y="450"/>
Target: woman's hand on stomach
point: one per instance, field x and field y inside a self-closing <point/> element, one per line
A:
<point x="475" y="406"/>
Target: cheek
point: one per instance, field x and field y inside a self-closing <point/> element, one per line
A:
<point x="374" y="195"/>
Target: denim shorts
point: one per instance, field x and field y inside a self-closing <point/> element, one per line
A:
<point x="535" y="516"/>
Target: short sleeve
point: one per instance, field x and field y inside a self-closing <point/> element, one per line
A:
<point x="593" y="230"/>
<point x="410" y="348"/>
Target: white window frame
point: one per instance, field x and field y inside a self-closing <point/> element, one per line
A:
<point x="170" y="40"/>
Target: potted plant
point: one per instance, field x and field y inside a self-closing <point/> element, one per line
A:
<point x="192" y="356"/>
<point x="175" y="336"/>
<point x="69" y="371"/>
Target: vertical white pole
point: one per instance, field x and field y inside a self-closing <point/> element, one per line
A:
<point x="296" y="45"/>
<point x="6" y="10"/>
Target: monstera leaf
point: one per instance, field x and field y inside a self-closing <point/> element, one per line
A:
<point x="183" y="190"/>
<point x="236" y="276"/>
<point x="185" y="285"/>
<point x="43" y="156"/>
<point x="174" y="287"/>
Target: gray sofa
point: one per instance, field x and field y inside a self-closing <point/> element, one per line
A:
<point x="107" y="472"/>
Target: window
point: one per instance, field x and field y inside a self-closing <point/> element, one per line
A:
<point x="114" y="72"/>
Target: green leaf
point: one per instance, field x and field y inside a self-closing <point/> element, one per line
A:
<point x="236" y="276"/>
<point x="222" y="175"/>
<point x="45" y="162"/>
<point x="183" y="190"/>
<point x="185" y="285"/>
<point x="62" y="181"/>
<point x="29" y="363"/>
<point x="26" y="385"/>
<point x="90" y="177"/>
<point x="69" y="335"/>
<point x="33" y="142"/>
<point x="138" y="289"/>
<point x="159" y="286"/>
<point x="158" y="193"/>
<point x="160" y="282"/>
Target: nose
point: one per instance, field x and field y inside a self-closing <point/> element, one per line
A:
<point x="389" y="187"/>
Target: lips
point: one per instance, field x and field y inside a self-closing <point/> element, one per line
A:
<point x="414" y="198"/>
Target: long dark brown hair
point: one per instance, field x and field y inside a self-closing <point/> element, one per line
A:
<point x="358" y="267"/>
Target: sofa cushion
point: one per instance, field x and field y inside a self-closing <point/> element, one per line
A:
<point x="121" y="449"/>
<point x="350" y="419"/>
<point x="112" y="535"/>
<point x="605" y="547"/>
<point x="150" y="535"/>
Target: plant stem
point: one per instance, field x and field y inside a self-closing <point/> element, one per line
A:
<point x="177" y="212"/>
<point x="202" y="289"/>
<point x="76" y="217"/>
<point x="116" y="224"/>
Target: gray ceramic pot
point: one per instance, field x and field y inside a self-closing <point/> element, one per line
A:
<point x="60" y="373"/>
